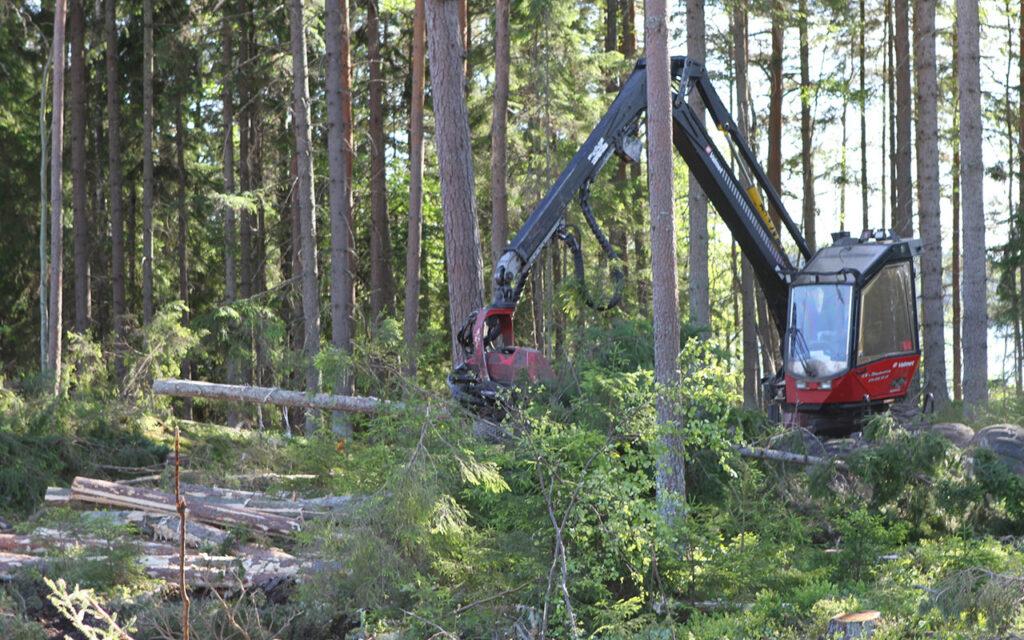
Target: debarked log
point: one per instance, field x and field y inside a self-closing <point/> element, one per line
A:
<point x="119" y="495"/>
<point x="270" y="395"/>
<point x="785" y="456"/>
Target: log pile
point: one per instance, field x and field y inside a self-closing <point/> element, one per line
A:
<point x="212" y="560"/>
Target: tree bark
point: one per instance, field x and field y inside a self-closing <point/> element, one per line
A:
<point x="955" y="276"/>
<point x="863" y="100"/>
<point x="53" y="355"/>
<point x="245" y="217"/>
<point x="228" y="117"/>
<point x="455" y="164"/>
<point x="932" y="312"/>
<point x="774" y="169"/>
<point x="79" y="178"/>
<point x="267" y="395"/>
<point x="698" y="285"/>
<point x="903" y="214"/>
<point x="499" y="131"/>
<point x="975" y="321"/>
<point x="751" y="380"/>
<point x="382" y="283"/>
<point x="147" y="162"/>
<point x="807" y="131"/>
<point x="414" y="248"/>
<point x="671" y="473"/>
<point x="339" y="188"/>
<point x="179" y="147"/>
<point x="116" y="201"/>
<point x="307" y="214"/>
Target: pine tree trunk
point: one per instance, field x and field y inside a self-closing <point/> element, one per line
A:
<point x="245" y="222"/>
<point x="228" y="133"/>
<point x="751" y="380"/>
<point x="79" y="179"/>
<point x="53" y="355"/>
<point x="700" y="305"/>
<point x="806" y="132"/>
<point x="382" y="284"/>
<point x="499" y="131"/>
<point x="671" y="474"/>
<point x="339" y="190"/>
<point x="903" y="214"/>
<point x="414" y="248"/>
<point x="116" y="186"/>
<point x="975" y="320"/>
<point x="179" y="148"/>
<point x="1018" y="221"/>
<point x="932" y="313"/>
<point x="147" y="162"/>
<point x="863" y="124"/>
<point x="955" y="276"/>
<point x="774" y="169"/>
<point x="307" y="213"/>
<point x="455" y="165"/>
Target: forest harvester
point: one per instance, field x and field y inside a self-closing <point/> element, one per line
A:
<point x="847" y="316"/>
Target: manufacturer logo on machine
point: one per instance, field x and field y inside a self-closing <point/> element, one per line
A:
<point x="598" y="152"/>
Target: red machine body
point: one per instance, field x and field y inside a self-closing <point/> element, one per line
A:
<point x="504" y="363"/>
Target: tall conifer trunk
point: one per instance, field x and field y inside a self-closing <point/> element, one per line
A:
<point x="698" y="285"/>
<point x="56" y="329"/>
<point x="116" y="197"/>
<point x="932" y="316"/>
<point x="382" y="283"/>
<point x="307" y="213"/>
<point x="671" y="473"/>
<point x="903" y="214"/>
<point x="975" y="321"/>
<point x="147" y="162"/>
<point x="415" y="232"/>
<point x="455" y="164"/>
<point x="79" y="179"/>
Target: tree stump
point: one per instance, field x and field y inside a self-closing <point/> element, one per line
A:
<point x="852" y="625"/>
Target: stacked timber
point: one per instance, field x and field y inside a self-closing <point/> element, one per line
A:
<point x="211" y="558"/>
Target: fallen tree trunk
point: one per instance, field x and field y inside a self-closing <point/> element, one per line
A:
<point x="785" y="456"/>
<point x="118" y="495"/>
<point x="269" y="395"/>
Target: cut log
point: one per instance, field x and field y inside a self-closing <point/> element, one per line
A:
<point x="852" y="625"/>
<point x="197" y="534"/>
<point x="57" y="496"/>
<point x="103" y="492"/>
<point x="11" y="562"/>
<point x="785" y="456"/>
<point x="269" y="395"/>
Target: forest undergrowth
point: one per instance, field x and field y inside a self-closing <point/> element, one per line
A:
<point x="547" y="527"/>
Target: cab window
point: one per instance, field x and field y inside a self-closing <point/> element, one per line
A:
<point x="887" y="315"/>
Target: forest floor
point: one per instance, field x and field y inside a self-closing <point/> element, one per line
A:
<point x="415" y="527"/>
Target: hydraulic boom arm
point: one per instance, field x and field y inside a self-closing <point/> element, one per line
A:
<point x="737" y="201"/>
